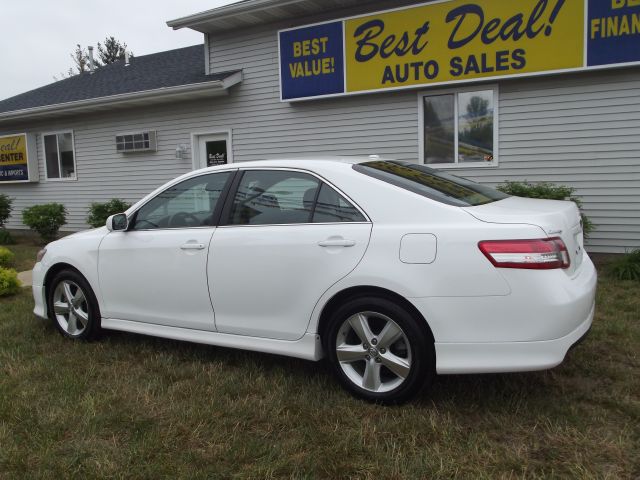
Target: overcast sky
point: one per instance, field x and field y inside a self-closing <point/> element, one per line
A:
<point x="38" y="35"/>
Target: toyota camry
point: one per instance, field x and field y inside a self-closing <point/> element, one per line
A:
<point x="394" y="272"/>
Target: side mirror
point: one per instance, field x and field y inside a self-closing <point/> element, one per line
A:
<point x="117" y="223"/>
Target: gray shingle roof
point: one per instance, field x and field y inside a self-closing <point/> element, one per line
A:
<point x="183" y="66"/>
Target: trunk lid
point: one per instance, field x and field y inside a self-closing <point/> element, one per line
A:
<point x="557" y="219"/>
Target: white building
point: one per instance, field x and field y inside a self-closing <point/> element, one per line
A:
<point x="538" y="90"/>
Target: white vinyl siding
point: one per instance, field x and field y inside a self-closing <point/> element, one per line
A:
<point x="581" y="130"/>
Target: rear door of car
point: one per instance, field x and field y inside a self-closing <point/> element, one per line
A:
<point x="286" y="236"/>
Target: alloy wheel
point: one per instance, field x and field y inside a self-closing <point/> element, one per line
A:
<point x="373" y="352"/>
<point x="71" y="308"/>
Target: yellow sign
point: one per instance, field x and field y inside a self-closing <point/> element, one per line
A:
<point x="461" y="40"/>
<point x="13" y="159"/>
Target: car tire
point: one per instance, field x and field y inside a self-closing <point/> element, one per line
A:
<point x="378" y="351"/>
<point x="73" y="307"/>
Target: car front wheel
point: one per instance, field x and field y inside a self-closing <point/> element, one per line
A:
<point x="73" y="307"/>
<point x="378" y="351"/>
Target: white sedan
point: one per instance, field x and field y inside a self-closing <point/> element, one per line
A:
<point x="393" y="271"/>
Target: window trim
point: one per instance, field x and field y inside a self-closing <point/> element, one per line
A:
<point x="226" y="212"/>
<point x="221" y="218"/>
<point x="455" y="92"/>
<point x="44" y="155"/>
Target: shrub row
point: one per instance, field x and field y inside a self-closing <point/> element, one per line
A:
<point x="548" y="191"/>
<point x="47" y="219"/>
<point x="9" y="283"/>
<point x="6" y="257"/>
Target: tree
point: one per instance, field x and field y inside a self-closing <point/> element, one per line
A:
<point x="112" y="51"/>
<point x="478" y="107"/>
<point x="81" y="59"/>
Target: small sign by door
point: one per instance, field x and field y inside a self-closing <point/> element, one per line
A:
<point x="216" y="153"/>
<point x="212" y="149"/>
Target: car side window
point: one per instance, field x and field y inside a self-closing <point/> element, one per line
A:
<point x="189" y="204"/>
<point x="334" y="208"/>
<point x="274" y="197"/>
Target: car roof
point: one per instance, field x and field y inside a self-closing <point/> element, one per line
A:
<point x="303" y="162"/>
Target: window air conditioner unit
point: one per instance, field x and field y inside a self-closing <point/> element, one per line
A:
<point x="136" y="142"/>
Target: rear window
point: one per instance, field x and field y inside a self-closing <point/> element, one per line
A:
<point x="431" y="183"/>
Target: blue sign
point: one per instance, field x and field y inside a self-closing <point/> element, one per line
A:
<point x="13" y="173"/>
<point x="312" y="61"/>
<point x="614" y="32"/>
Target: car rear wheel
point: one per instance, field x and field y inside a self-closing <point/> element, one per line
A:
<point x="73" y="307"/>
<point x="378" y="351"/>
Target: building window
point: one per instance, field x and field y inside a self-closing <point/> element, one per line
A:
<point x="59" y="156"/>
<point x="459" y="128"/>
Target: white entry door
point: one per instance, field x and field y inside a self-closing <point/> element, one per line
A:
<point x="212" y="150"/>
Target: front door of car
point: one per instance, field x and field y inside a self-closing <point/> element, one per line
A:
<point x="156" y="271"/>
<point x="287" y="239"/>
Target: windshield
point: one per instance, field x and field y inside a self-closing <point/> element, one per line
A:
<point x="431" y="183"/>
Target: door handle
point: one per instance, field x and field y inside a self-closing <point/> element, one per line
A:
<point x="193" y="246"/>
<point x="338" y="242"/>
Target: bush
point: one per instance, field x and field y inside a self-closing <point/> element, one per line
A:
<point x="9" y="283"/>
<point x="5" y="237"/>
<point x="99" y="212"/>
<point x="6" y="257"/>
<point x="548" y="191"/>
<point x="5" y="209"/>
<point x="45" y="219"/>
<point x="627" y="267"/>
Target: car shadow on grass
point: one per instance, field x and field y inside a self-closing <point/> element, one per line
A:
<point x="487" y="392"/>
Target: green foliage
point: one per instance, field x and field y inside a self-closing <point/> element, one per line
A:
<point x="6" y="257"/>
<point x="478" y="107"/>
<point x="5" y="208"/>
<point x="99" y="212"/>
<point x="627" y="267"/>
<point x="45" y="219"/>
<point x="9" y="283"/>
<point x="548" y="191"/>
<point x="5" y="237"/>
<point x="112" y="50"/>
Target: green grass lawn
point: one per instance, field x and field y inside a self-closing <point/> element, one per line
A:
<point x="136" y="407"/>
<point x="25" y="251"/>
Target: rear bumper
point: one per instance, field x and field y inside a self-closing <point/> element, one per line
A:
<point x="530" y="329"/>
<point x="458" y="358"/>
<point x="542" y="306"/>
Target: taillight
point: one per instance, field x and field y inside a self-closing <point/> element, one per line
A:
<point x="543" y="254"/>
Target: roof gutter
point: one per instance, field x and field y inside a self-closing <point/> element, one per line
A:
<point x="159" y="95"/>
<point x="247" y="6"/>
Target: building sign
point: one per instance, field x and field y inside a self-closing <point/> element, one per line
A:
<point x="216" y="153"/>
<point x="14" y="161"/>
<point x="312" y="62"/>
<point x="614" y="32"/>
<point x="456" y="41"/>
